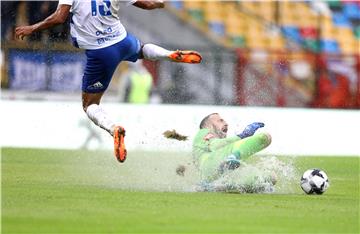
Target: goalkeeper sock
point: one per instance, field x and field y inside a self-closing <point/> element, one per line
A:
<point x="100" y="118"/>
<point x="154" y="52"/>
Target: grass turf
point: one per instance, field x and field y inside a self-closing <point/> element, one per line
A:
<point x="47" y="191"/>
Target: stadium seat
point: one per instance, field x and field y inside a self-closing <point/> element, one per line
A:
<point x="238" y="41"/>
<point x="179" y="5"/>
<point x="197" y="15"/>
<point x="312" y="45"/>
<point x="217" y="28"/>
<point x="308" y="32"/>
<point x="343" y="34"/>
<point x="195" y="10"/>
<point x="292" y="32"/>
<point x="357" y="32"/>
<point x="192" y="5"/>
<point x="326" y="21"/>
<point x="308" y="20"/>
<point x="329" y="46"/>
<point x="288" y="18"/>
<point x="266" y="9"/>
<point x="248" y="6"/>
<point x="350" y="47"/>
<point x="339" y="19"/>
<point x="256" y="43"/>
<point x="352" y="10"/>
<point x="334" y="4"/>
<point x="213" y="11"/>
<point x="276" y="43"/>
<point x="235" y="25"/>
<point x="328" y="33"/>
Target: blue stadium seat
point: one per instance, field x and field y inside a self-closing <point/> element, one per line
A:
<point x="352" y="11"/>
<point x="292" y="33"/>
<point x="330" y="46"/>
<point x="217" y="28"/>
<point x="177" y="4"/>
<point x="339" y="19"/>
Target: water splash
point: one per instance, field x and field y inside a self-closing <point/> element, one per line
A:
<point x="155" y="171"/>
<point x="266" y="175"/>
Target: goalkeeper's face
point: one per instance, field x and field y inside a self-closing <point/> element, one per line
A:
<point x="219" y="125"/>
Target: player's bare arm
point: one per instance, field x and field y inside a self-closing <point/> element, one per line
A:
<point x="58" y="17"/>
<point x="149" y="4"/>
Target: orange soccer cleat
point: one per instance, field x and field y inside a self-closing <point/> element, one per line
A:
<point x="185" y="56"/>
<point x="119" y="145"/>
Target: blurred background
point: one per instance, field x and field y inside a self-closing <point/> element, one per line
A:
<point x="256" y="53"/>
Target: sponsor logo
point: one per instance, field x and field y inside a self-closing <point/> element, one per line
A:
<point x="97" y="85"/>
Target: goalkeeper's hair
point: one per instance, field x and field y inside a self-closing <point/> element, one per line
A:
<point x="204" y="122"/>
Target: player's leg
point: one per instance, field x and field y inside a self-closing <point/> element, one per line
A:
<point x="95" y="112"/>
<point x="98" y="115"/>
<point x="100" y="67"/>
<point x="154" y="52"/>
<point x="244" y="148"/>
<point x="95" y="82"/>
<point x="213" y="164"/>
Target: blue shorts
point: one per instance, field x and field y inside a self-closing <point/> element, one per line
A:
<point x="101" y="63"/>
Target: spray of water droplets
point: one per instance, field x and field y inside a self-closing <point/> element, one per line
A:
<point x="160" y="172"/>
<point x="265" y="175"/>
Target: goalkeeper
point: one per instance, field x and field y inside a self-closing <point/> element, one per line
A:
<point x="213" y="152"/>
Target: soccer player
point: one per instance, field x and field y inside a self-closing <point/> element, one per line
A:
<point x="95" y="27"/>
<point x="214" y="152"/>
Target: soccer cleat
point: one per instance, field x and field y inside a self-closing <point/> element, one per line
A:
<point x="119" y="145"/>
<point x="185" y="56"/>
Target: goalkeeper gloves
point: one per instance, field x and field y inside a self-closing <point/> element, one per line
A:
<point x="250" y="129"/>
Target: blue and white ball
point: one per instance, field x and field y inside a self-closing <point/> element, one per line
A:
<point x="314" y="181"/>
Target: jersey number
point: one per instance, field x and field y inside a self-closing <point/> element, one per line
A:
<point x="102" y="10"/>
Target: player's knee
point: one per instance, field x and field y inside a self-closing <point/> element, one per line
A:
<point x="265" y="139"/>
<point x="84" y="106"/>
<point x="88" y="100"/>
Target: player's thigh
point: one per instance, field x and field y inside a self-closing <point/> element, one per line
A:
<point x="126" y="50"/>
<point x="133" y="46"/>
<point x="100" y="66"/>
<point x="102" y="63"/>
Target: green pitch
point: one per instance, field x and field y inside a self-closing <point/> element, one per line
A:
<point x="58" y="191"/>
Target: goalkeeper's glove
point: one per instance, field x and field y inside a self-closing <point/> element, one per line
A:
<point x="250" y="129"/>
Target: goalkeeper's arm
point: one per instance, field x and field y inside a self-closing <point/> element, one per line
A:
<point x="248" y="131"/>
<point x="217" y="143"/>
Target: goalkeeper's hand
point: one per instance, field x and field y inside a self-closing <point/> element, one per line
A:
<point x="251" y="129"/>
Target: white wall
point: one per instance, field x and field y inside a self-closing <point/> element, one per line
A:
<point x="64" y="125"/>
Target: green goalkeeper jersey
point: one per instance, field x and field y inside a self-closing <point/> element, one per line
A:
<point x="210" y="151"/>
<point x="206" y="142"/>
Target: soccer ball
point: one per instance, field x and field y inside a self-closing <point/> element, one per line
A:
<point x="314" y="181"/>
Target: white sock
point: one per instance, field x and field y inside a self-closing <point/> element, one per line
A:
<point x="154" y="52"/>
<point x="100" y="118"/>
